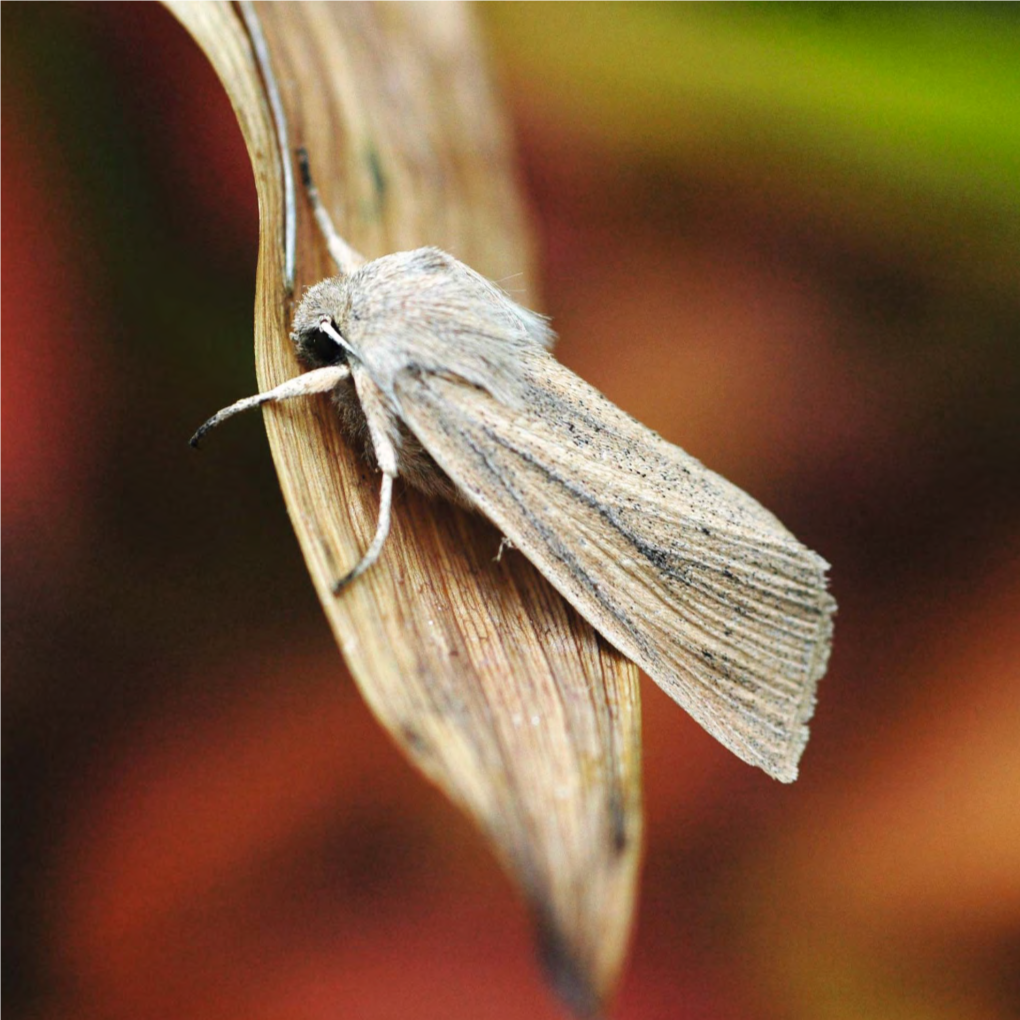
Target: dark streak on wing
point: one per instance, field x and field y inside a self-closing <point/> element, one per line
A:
<point x="647" y="652"/>
<point x="569" y="560"/>
<point x="661" y="560"/>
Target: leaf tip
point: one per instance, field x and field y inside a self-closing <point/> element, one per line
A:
<point x="570" y="978"/>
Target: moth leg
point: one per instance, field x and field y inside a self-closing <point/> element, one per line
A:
<point x="377" y="416"/>
<point x="382" y="529"/>
<point x="345" y="257"/>
<point x="321" y="380"/>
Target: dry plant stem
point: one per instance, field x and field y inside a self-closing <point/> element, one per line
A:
<point x="479" y="670"/>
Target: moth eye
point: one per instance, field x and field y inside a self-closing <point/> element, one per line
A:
<point x="319" y="349"/>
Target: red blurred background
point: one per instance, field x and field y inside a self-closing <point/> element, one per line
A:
<point x="203" y="819"/>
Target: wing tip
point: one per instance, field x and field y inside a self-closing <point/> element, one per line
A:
<point x="786" y="767"/>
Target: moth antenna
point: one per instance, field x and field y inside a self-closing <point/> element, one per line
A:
<point x="321" y="380"/>
<point x="261" y="50"/>
<point x="345" y="257"/>
<point x="327" y="327"/>
<point x="382" y="529"/>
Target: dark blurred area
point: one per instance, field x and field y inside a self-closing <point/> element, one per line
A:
<point x="785" y="237"/>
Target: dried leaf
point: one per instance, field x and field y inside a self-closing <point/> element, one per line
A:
<point x="490" y="683"/>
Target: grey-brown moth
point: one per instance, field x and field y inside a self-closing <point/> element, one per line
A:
<point x="451" y="385"/>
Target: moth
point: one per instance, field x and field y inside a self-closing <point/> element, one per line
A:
<point x="451" y="385"/>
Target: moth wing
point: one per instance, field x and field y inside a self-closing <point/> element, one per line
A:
<point x="683" y="572"/>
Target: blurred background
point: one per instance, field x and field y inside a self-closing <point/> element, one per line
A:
<point x="786" y="237"/>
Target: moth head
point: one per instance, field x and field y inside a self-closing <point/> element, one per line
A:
<point x="320" y="324"/>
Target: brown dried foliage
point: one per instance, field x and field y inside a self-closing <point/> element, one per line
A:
<point x="487" y="680"/>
